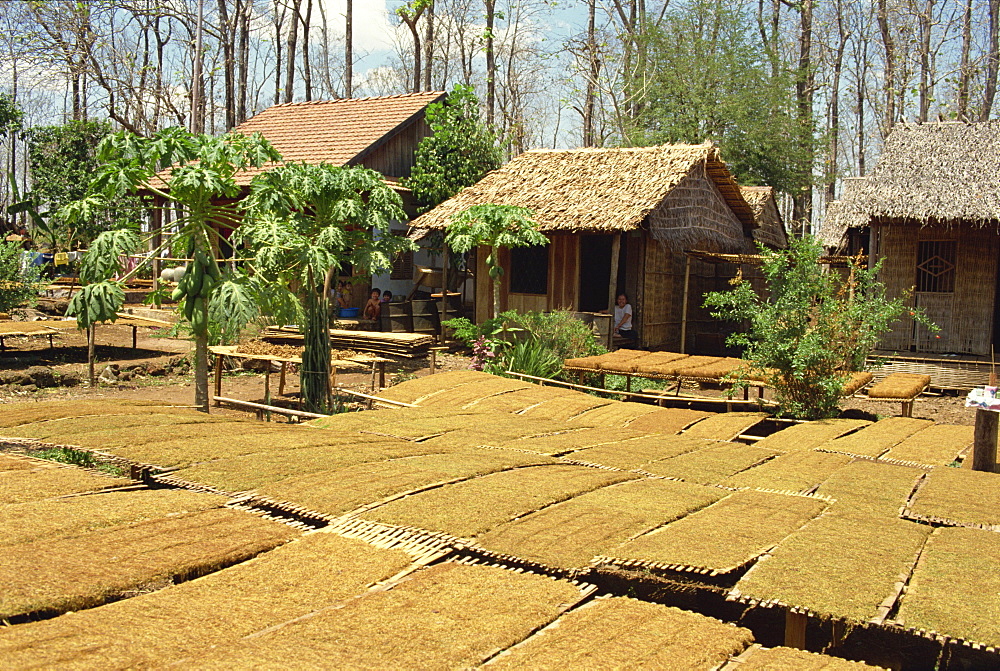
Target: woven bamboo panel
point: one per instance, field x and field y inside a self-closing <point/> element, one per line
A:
<point x="626" y="633"/>
<point x="407" y="423"/>
<point x="621" y="361"/>
<point x="726" y="535"/>
<point x="712" y="371"/>
<point x="793" y="659"/>
<point x="877" y="438"/>
<point x="794" y="471"/>
<point x="92" y="568"/>
<point x="668" y="420"/>
<point x="712" y="464"/>
<point x="810" y="434"/>
<point x="570" y="441"/>
<point x="464" y="394"/>
<point x="945" y="374"/>
<point x="958" y="496"/>
<point x="618" y="413"/>
<point x="64" y="517"/>
<point x="564" y="408"/>
<point x="870" y="489"/>
<point x="955" y="588"/>
<point x="635" y="453"/>
<point x="178" y="622"/>
<point x="446" y="616"/>
<point x="937" y="445"/>
<point x="571" y="533"/>
<point x="837" y="566"/>
<point x="673" y="368"/>
<point x="334" y="492"/>
<point x="898" y="246"/>
<point x="975" y="289"/>
<point x="725" y="426"/>
<point x="412" y="391"/>
<point x="473" y="507"/>
<point x="250" y="471"/>
<point x="45" y="480"/>
<point x="653" y="360"/>
<point x="24" y="413"/>
<point x="63" y="430"/>
<point x="519" y="400"/>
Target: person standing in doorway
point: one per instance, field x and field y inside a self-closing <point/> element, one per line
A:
<point x="623" y="321"/>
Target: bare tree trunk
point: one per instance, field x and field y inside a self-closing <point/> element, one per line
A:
<point x="349" y="50"/>
<point x="838" y="65"/>
<point x="306" y="69"/>
<point x="964" y="72"/>
<point x="889" y="117"/>
<point x="804" y="87"/>
<point x="591" y="94"/>
<point x="290" y="46"/>
<point x="429" y="46"/>
<point x="226" y="32"/>
<point x="243" y="15"/>
<point x="279" y="20"/>
<point x="410" y="18"/>
<point x="198" y="84"/>
<point x="91" y="375"/>
<point x="925" y="22"/>
<point x="992" y="61"/>
<point x="491" y="63"/>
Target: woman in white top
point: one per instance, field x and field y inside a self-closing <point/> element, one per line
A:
<point x="623" y="320"/>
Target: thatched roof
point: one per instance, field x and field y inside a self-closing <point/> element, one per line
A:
<point x="770" y="227"/>
<point x="929" y="173"/>
<point x="592" y="190"/>
<point x="839" y="218"/>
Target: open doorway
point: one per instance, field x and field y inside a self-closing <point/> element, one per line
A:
<point x="595" y="272"/>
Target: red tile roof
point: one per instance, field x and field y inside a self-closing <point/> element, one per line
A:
<point x="333" y="131"/>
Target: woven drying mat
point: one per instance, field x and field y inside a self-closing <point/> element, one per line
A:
<point x="957" y="497"/>
<point x="837" y="566"/>
<point x="877" y="438"/>
<point x="46" y="479"/>
<point x="712" y="464"/>
<point x="292" y="581"/>
<point x="405" y="423"/>
<point x="474" y="507"/>
<point x="667" y="420"/>
<point x="793" y="659"/>
<point x="869" y="488"/>
<point x="809" y="435"/>
<point x="636" y="452"/>
<point x="725" y="425"/>
<point x="855" y="382"/>
<point x="618" y="413"/>
<point x="669" y="369"/>
<point x="251" y="471"/>
<point x="59" y="518"/>
<point x="937" y="445"/>
<point x="66" y="430"/>
<point x="653" y="360"/>
<point x="15" y="414"/>
<point x="335" y="492"/>
<point x="412" y="391"/>
<point x="620" y="361"/>
<point x="724" y="537"/>
<point x="572" y="440"/>
<point x="449" y="615"/>
<point x="899" y="387"/>
<point x="466" y="394"/>
<point x="955" y="586"/>
<point x="627" y="633"/>
<point x="93" y="568"/>
<point x="263" y="348"/>
<point x="564" y="408"/>
<point x="714" y="370"/>
<point x="570" y="534"/>
<point x="794" y="471"/>
<point x="517" y="400"/>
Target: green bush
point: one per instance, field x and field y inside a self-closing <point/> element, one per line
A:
<point x="813" y="327"/>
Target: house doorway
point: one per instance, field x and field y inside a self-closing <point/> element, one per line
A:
<point x="595" y="271"/>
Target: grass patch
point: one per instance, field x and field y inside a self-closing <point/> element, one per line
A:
<point x="82" y="458"/>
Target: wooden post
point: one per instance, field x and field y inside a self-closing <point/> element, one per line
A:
<point x="445" y="262"/>
<point x="684" y="305"/>
<point x="795" y="630"/>
<point x="135" y="330"/>
<point x="218" y="378"/>
<point x="616" y="247"/>
<point x="381" y="375"/>
<point x="281" y="380"/>
<point x="984" y="449"/>
<point x="91" y="335"/>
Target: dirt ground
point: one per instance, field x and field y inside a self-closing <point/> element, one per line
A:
<point x="114" y="346"/>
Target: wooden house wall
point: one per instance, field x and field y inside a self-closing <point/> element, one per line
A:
<point x="965" y="315"/>
<point x="394" y="157"/>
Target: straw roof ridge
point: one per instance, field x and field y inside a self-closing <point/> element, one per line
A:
<point x="592" y="189"/>
<point x="931" y="173"/>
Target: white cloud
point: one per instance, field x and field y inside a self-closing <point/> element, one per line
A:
<point x="373" y="28"/>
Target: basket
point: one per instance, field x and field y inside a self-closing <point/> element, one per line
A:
<point x="348" y="312"/>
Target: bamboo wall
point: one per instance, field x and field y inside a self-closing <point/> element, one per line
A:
<point x="965" y="315"/>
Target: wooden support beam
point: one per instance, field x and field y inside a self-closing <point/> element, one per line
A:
<point x="616" y="246"/>
<point x="218" y="377"/>
<point x="281" y="380"/>
<point x="684" y="304"/>
<point x="269" y="408"/>
<point x="795" y="630"/>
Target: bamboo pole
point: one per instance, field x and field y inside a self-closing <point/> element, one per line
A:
<point x="616" y="247"/>
<point x="684" y="305"/>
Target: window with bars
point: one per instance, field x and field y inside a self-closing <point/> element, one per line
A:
<point x="936" y="266"/>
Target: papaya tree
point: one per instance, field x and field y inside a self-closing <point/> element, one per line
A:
<point x="190" y="173"/>
<point x="308" y="221"/>
<point x="493" y="226"/>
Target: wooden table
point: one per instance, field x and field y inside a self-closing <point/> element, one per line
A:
<point x="30" y="329"/>
<point x="378" y="364"/>
<point x="125" y="319"/>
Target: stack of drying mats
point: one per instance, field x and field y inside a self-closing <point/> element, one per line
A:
<point x="498" y="523"/>
<point x="408" y="345"/>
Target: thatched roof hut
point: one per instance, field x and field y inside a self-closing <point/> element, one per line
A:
<point x="608" y="191"/>
<point x="931" y="209"/>
<point x="770" y="229"/>
<point x="619" y="220"/>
